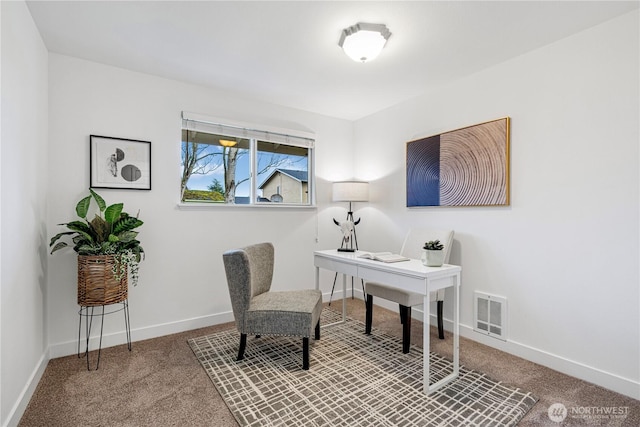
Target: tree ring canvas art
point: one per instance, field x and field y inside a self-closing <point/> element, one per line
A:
<point x="119" y="163"/>
<point x="463" y="167"/>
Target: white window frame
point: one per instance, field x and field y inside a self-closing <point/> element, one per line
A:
<point x="255" y="133"/>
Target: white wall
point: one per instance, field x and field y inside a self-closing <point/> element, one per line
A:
<point x="23" y="184"/>
<point x="574" y="110"/>
<point x="182" y="282"/>
<point x="565" y="253"/>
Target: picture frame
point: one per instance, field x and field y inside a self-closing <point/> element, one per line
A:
<point x="463" y="167"/>
<point x="119" y="163"/>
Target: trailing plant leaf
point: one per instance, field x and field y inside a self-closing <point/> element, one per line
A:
<point x="113" y="238"/>
<point x="126" y="263"/>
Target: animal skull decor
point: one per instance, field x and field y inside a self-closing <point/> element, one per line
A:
<point x="347" y="227"/>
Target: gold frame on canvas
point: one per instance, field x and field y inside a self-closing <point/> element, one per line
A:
<point x="419" y="182"/>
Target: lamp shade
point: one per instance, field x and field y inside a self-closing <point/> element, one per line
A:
<point x="351" y="191"/>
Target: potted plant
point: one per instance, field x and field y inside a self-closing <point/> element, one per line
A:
<point x="108" y="251"/>
<point x="433" y="254"/>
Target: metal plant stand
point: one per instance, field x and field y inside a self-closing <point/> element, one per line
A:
<point x="88" y="315"/>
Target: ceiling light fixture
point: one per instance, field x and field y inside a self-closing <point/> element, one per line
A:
<point x="363" y="42"/>
<point x="227" y="143"/>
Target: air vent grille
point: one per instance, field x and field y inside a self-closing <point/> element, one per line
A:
<point x="490" y="314"/>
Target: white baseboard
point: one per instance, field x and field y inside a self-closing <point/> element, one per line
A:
<point x="139" y="334"/>
<point x="558" y="363"/>
<point x="15" y="414"/>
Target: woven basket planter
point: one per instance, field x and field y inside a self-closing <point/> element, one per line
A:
<point x="96" y="284"/>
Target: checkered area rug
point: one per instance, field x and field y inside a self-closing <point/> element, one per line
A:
<point x="353" y="380"/>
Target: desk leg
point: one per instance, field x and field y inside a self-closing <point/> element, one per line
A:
<point x="456" y="325"/>
<point x="426" y="329"/>
<point x="344" y="297"/>
<point x="456" y="340"/>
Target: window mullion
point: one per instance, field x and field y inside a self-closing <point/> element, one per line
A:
<point x="253" y="144"/>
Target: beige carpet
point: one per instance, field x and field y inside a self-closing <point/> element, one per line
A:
<point x="161" y="383"/>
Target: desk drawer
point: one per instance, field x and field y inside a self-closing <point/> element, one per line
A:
<point x="337" y="266"/>
<point x="407" y="282"/>
<point x="442" y="282"/>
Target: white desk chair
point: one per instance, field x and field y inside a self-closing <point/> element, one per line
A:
<point x="412" y="248"/>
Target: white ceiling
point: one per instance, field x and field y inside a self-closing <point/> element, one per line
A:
<point x="287" y="52"/>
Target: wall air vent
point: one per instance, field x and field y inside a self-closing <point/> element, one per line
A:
<point x="490" y="315"/>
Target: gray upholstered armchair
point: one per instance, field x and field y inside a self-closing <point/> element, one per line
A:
<point x="258" y="310"/>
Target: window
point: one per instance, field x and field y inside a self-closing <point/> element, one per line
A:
<point x="236" y="165"/>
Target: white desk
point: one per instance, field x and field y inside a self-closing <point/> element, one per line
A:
<point x="407" y="275"/>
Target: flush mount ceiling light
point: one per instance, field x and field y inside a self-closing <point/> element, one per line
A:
<point x="363" y="42"/>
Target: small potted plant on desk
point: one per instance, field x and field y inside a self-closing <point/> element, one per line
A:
<point x="433" y="254"/>
<point x="108" y="251"/>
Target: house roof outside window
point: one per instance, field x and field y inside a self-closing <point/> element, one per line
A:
<point x="298" y="175"/>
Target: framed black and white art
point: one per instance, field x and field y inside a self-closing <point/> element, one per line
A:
<point x="119" y="163"/>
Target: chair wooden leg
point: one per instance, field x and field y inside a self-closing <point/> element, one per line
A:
<point x="440" y="322"/>
<point x="243" y="344"/>
<point x="368" y="314"/>
<point x="403" y="312"/>
<point x="406" y="328"/>
<point x="317" y="330"/>
<point x="305" y="353"/>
